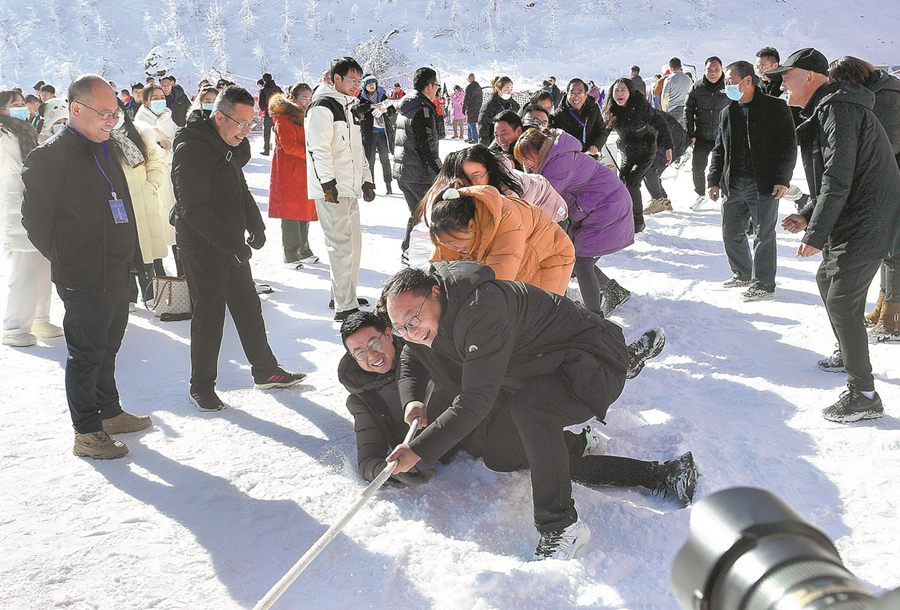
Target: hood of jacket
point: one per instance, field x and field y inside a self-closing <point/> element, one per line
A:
<point x="200" y="127"/>
<point x="326" y="90"/>
<point x="457" y="279"/>
<point x="882" y="81"/>
<point x="411" y="103"/>
<point x="356" y="380"/>
<point x="281" y="105"/>
<point x="488" y="215"/>
<point x="840" y="91"/>
<point x="564" y="144"/>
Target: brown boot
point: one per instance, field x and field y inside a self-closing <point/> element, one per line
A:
<point x="888" y="326"/>
<point x="873" y="316"/>
<point x="98" y="445"/>
<point x="125" y="422"/>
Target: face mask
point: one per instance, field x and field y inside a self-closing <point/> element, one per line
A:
<point x="120" y="122"/>
<point x="505" y="96"/>
<point x="158" y="106"/>
<point x="19" y="112"/>
<point x="57" y="128"/>
<point x="734" y="92"/>
<point x="208" y="106"/>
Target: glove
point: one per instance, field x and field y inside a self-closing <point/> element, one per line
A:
<point x="368" y="190"/>
<point x="330" y="190"/>
<point x="242" y="256"/>
<point x="412" y="478"/>
<point x="257" y="240"/>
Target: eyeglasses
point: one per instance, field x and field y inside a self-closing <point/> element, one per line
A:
<point x="372" y="347"/>
<point x="355" y="81"/>
<point x="412" y="322"/>
<point x="241" y="125"/>
<point x="106" y="115"/>
<point x="763" y="68"/>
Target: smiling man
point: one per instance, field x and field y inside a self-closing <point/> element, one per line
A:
<point x="78" y="213"/>
<point x="550" y="362"/>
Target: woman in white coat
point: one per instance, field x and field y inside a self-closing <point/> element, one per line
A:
<point x="27" y="316"/>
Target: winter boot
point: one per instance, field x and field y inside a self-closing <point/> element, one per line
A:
<point x="833" y="363"/>
<point x="567" y="543"/>
<point x="888" y="326"/>
<point x="853" y="406"/>
<point x="125" y="422"/>
<point x="874" y="316"/>
<point x="658" y="205"/>
<point x="648" y="346"/>
<point x="98" y="445"/>
<point x="678" y="477"/>
<point x="614" y="296"/>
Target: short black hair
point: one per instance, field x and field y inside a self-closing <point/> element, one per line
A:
<point x="674" y="63"/>
<point x="712" y="58"/>
<point x="769" y="52"/>
<point x="743" y="68"/>
<point x="577" y="80"/>
<point x="38" y="85"/>
<point x="411" y="279"/>
<point x="31" y="98"/>
<point x="138" y="86"/>
<point x="534" y="107"/>
<point x="167" y="77"/>
<point x="508" y="116"/>
<point x="48" y="89"/>
<point x="543" y="95"/>
<point x="423" y="78"/>
<point x="359" y="320"/>
<point x="343" y="65"/>
<point x="267" y="77"/>
<point x="636" y="69"/>
<point x="232" y="95"/>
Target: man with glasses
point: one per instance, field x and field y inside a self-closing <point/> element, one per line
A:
<point x="416" y="157"/>
<point x="337" y="175"/>
<point x="550" y="362"/>
<point x="214" y="213"/>
<point x="78" y="213"/>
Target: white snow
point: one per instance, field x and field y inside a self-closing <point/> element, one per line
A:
<point x="209" y="510"/>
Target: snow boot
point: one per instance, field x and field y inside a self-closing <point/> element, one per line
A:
<point x="614" y="296"/>
<point x="125" y="422"/>
<point x="98" y="445"/>
<point x="678" y="477"/>
<point x="833" y="363"/>
<point x="647" y="346"/>
<point x="658" y="205"/>
<point x="853" y="406"/>
<point x="873" y="316"/>
<point x="567" y="543"/>
<point x="888" y="326"/>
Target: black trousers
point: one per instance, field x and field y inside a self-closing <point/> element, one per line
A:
<point x="527" y="431"/>
<point x="215" y="283"/>
<point x="632" y="172"/>
<point x="295" y="240"/>
<point x="844" y="295"/>
<point x="414" y="193"/>
<point x="699" y="160"/>
<point x="653" y="179"/>
<point x="94" y="324"/>
<point x="379" y="144"/>
<point x="267" y="131"/>
<point x="890" y="281"/>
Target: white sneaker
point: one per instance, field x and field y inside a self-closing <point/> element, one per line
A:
<point x="45" y="330"/>
<point x="294" y="265"/>
<point x="570" y="543"/>
<point x="698" y="203"/>
<point x="310" y="260"/>
<point x="19" y="340"/>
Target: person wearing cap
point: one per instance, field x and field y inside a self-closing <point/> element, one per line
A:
<point x="416" y="158"/>
<point x="851" y="217"/>
<point x="751" y="164"/>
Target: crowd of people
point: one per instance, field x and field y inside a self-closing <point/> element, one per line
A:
<point x="487" y="348"/>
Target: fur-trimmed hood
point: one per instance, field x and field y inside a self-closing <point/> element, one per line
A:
<point x="280" y="104"/>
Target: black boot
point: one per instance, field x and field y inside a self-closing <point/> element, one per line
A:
<point x="677" y="477"/>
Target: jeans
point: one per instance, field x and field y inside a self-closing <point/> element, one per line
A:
<point x="295" y="240"/>
<point x="94" y="325"/>
<point x="379" y="144"/>
<point x="844" y="295"/>
<point x="699" y="160"/>
<point x="473" y="131"/>
<point x="745" y="203"/>
<point x="414" y="193"/>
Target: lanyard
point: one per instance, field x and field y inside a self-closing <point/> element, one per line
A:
<point x="112" y="189"/>
<point x="583" y="124"/>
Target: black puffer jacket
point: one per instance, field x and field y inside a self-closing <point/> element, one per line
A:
<point x="704" y="106"/>
<point x="887" y="106"/>
<point x="179" y="103"/>
<point x="213" y="206"/>
<point x="594" y="131"/>
<point x="773" y="146"/>
<point x="495" y="106"/>
<point x="641" y="131"/>
<point x="854" y="207"/>
<point x="416" y="157"/>
<point x="67" y="214"/>
<point x="505" y="334"/>
<point x="473" y="101"/>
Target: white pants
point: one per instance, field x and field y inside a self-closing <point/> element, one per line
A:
<point x="28" y="300"/>
<point x="340" y="223"/>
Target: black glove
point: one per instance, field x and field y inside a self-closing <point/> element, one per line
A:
<point x="368" y="190"/>
<point x="242" y="256"/>
<point x="330" y="190"/>
<point x="412" y="478"/>
<point x="257" y="239"/>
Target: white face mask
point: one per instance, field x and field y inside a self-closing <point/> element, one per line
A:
<point x="57" y="128"/>
<point x="19" y="112"/>
<point x="505" y="96"/>
<point x="158" y="106"/>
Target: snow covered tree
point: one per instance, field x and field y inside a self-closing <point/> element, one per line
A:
<point x="417" y="41"/>
<point x="313" y="18"/>
<point x="217" y="36"/>
<point x="287" y="26"/>
<point x="249" y="19"/>
<point x="378" y="57"/>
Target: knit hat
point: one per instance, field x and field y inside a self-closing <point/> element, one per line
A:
<point x="368" y="78"/>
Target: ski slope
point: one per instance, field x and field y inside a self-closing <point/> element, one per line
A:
<point x="209" y="510"/>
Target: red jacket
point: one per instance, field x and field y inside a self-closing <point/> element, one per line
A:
<point x="287" y="190"/>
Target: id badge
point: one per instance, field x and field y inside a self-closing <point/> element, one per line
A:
<point x="119" y="214"/>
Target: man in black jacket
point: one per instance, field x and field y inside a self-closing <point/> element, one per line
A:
<point x="704" y="106"/>
<point x="78" y="213"/>
<point x="416" y="158"/>
<point x="852" y="214"/>
<point x="552" y="363"/>
<point x="752" y="163"/>
<point x="472" y="108"/>
<point x="555" y="92"/>
<point x="268" y="89"/>
<point x="214" y="210"/>
<point x="370" y="370"/>
<point x="579" y="116"/>
<point x="507" y="129"/>
<point x="176" y="100"/>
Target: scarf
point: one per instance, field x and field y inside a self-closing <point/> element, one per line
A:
<point x="23" y="131"/>
<point x="128" y="149"/>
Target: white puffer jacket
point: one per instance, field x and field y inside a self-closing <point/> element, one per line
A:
<point x="334" y="148"/>
<point x="15" y="239"/>
<point x="163" y="125"/>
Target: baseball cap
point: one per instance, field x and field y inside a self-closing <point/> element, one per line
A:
<point x="805" y="59"/>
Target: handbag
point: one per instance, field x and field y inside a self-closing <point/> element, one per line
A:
<point x="172" y="298"/>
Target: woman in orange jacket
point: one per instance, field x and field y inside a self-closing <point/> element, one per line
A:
<point x="511" y="236"/>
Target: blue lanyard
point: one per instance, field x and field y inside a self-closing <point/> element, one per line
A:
<point x="112" y="189"/>
<point x="583" y="124"/>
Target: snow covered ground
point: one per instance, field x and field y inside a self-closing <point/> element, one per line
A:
<point x="209" y="510"/>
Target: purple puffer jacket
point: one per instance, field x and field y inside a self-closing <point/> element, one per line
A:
<point x="599" y="204"/>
